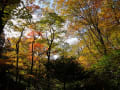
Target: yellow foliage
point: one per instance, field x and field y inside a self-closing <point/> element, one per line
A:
<point x="83" y="61"/>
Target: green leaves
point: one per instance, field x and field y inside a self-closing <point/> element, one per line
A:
<point x="108" y="66"/>
<point x="52" y="19"/>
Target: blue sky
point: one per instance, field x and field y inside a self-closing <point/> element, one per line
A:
<point x="51" y="3"/>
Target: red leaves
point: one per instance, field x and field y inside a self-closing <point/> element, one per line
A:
<point x="33" y="7"/>
<point x="32" y="34"/>
<point x="36" y="46"/>
<point x="40" y="33"/>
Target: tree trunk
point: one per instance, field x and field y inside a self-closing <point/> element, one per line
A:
<point x="48" y="69"/>
<point x="64" y="86"/>
<point x="2" y="37"/>
<point x="17" y="52"/>
<point x="32" y="57"/>
<point x="50" y="42"/>
<point x="90" y="34"/>
<point x="101" y="39"/>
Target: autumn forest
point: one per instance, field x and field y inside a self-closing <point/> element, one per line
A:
<point x="59" y="44"/>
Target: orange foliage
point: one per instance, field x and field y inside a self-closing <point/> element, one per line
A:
<point x="32" y="34"/>
<point x="33" y="7"/>
<point x="4" y="62"/>
<point x="36" y="46"/>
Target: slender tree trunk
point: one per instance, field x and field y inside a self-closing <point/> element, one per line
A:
<point x="94" y="42"/>
<point x="50" y="42"/>
<point x="32" y="64"/>
<point x="39" y="71"/>
<point x="17" y="70"/>
<point x="48" y="69"/>
<point x="32" y="57"/>
<point x="17" y="57"/>
<point x="64" y="88"/>
<point x="64" y="85"/>
<point x="101" y="39"/>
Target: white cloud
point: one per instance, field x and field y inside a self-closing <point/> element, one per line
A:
<point x="72" y="41"/>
